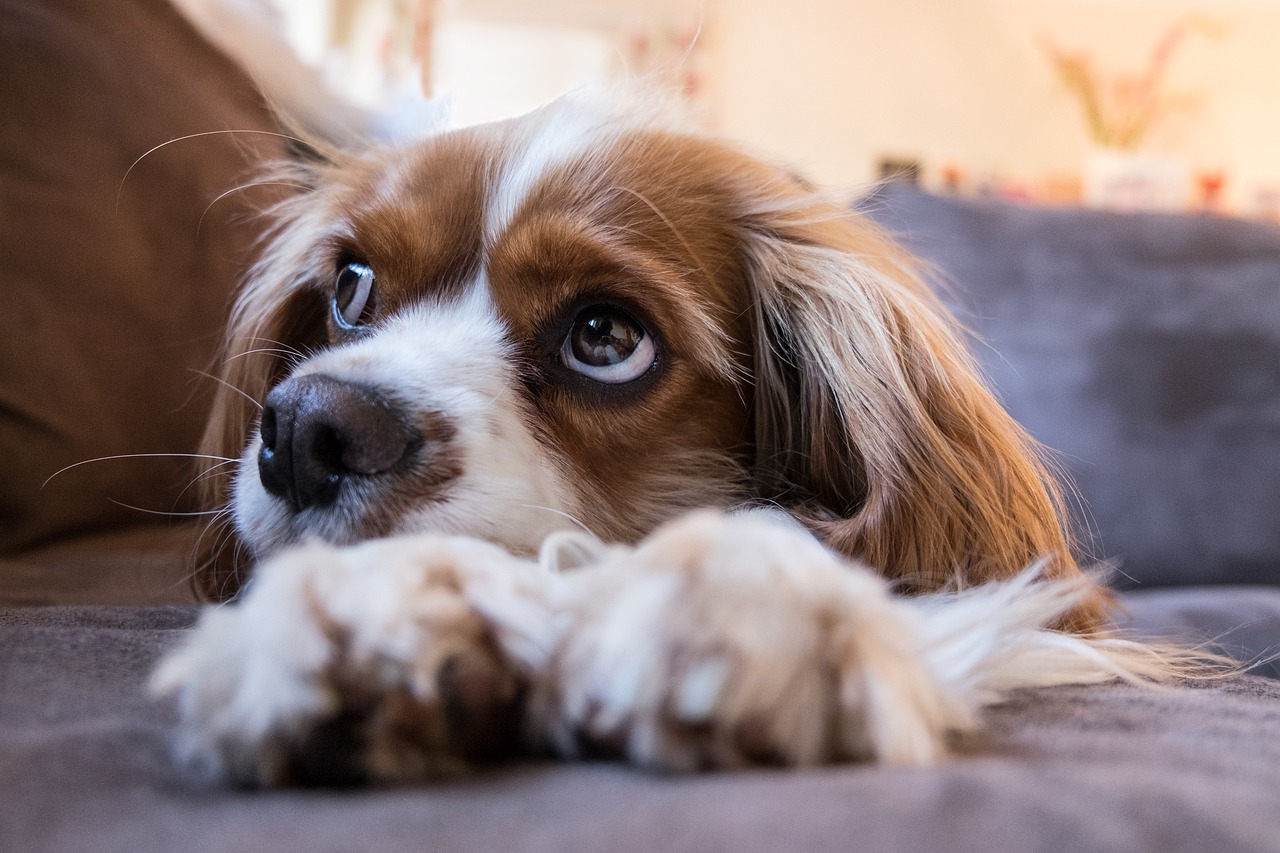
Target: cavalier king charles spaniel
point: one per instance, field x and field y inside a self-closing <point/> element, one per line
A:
<point x="584" y="434"/>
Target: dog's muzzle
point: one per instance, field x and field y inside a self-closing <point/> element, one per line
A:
<point x="319" y="432"/>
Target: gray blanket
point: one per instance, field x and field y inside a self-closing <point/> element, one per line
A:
<point x="85" y="765"/>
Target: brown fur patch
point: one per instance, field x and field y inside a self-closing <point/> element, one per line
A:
<point x="415" y="215"/>
<point x="859" y="410"/>
<point x="620" y="225"/>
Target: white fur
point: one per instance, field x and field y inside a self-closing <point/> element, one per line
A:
<point x="569" y="128"/>
<point x="253" y="677"/>
<point x="554" y="140"/>
<point x="450" y="357"/>
<point x="719" y="641"/>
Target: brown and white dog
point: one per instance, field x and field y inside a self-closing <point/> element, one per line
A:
<point x="459" y="354"/>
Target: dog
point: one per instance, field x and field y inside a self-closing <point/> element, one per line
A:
<point x="588" y="434"/>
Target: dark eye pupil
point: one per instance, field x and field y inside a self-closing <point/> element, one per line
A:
<point x="347" y="280"/>
<point x="353" y="295"/>
<point x="603" y="337"/>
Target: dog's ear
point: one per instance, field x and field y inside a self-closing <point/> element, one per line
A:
<point x="279" y="318"/>
<point x="872" y="423"/>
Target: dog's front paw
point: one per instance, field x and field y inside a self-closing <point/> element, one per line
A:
<point x="389" y="661"/>
<point x="724" y="642"/>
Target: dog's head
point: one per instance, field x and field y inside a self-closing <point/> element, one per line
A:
<point x="581" y="316"/>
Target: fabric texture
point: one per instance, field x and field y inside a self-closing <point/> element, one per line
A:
<point x="129" y="566"/>
<point x="86" y="764"/>
<point x="1145" y="351"/>
<point x="117" y="280"/>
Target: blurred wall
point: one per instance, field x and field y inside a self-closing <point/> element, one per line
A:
<point x="834" y="85"/>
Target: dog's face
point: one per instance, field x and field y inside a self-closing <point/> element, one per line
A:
<point x="581" y="318"/>
<point x="507" y="329"/>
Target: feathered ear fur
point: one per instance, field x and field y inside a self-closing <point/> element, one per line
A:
<point x="872" y="423"/>
<point x="277" y="319"/>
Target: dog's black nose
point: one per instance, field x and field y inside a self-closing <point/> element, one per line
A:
<point x="318" y="431"/>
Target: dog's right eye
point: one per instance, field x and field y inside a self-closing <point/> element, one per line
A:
<point x="354" y="296"/>
<point x="608" y="345"/>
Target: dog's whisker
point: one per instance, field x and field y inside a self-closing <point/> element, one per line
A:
<point x="574" y="519"/>
<point x="264" y="351"/>
<point x="214" y="469"/>
<point x="187" y="578"/>
<point x="222" y="534"/>
<point x="227" y="384"/>
<point x="196" y="565"/>
<point x="271" y="346"/>
<point x="61" y="471"/>
<point x="232" y="582"/>
<point x="242" y="187"/>
<point x="211" y="471"/>
<point x="169" y="513"/>
<point x="275" y="342"/>
<point x="189" y="136"/>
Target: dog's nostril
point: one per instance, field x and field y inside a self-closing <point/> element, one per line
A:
<point x="267" y="427"/>
<point x="327" y="448"/>
<point x="318" y="432"/>
<point x="326" y="453"/>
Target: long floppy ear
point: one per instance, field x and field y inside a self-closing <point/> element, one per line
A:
<point x="276" y="321"/>
<point x="872" y="423"/>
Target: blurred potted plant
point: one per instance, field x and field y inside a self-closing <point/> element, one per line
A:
<point x="1121" y="111"/>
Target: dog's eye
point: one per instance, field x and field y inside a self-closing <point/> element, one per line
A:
<point x="608" y="345"/>
<point x="353" y="296"/>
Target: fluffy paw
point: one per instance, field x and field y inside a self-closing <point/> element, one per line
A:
<point x="388" y="661"/>
<point x="724" y="642"/>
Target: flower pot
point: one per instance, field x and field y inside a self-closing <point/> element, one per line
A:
<point x="1116" y="179"/>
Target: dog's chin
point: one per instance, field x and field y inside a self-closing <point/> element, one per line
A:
<point x="267" y="524"/>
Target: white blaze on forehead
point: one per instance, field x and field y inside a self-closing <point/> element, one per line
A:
<point x="576" y="124"/>
<point x="553" y="137"/>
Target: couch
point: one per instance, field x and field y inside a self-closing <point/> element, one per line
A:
<point x="1142" y="348"/>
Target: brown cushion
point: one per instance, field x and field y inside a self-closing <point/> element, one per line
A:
<point x="114" y="289"/>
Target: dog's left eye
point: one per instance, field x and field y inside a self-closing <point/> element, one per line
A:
<point x="608" y="345"/>
<point x="353" y="296"/>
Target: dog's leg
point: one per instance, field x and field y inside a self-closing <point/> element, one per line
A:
<point x="388" y="661"/>
<point x="728" y="641"/>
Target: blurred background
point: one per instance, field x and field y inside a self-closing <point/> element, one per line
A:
<point x="1129" y="104"/>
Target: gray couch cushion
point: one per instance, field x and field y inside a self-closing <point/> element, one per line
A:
<point x="1145" y="349"/>
<point x="84" y="765"/>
